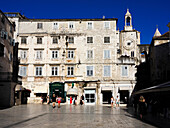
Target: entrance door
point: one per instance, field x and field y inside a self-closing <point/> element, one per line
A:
<point x="124" y="96"/>
<point x="107" y="97"/>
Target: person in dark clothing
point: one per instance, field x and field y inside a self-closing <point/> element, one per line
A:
<point x="142" y="106"/>
<point x="53" y="100"/>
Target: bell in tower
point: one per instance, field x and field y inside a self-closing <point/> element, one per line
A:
<point x="128" y="21"/>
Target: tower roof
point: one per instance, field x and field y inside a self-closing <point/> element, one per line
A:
<point x="157" y="33"/>
<point x="128" y="13"/>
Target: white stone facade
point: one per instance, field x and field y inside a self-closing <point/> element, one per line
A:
<point x="100" y="61"/>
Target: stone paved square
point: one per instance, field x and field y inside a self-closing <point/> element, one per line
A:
<point x="44" y="116"/>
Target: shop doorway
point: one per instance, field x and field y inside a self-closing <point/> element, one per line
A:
<point x="107" y="97"/>
<point x="124" y="96"/>
<point x="57" y="89"/>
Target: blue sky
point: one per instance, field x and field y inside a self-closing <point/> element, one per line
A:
<point x="146" y="14"/>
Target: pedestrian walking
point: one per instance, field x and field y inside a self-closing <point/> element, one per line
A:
<point x="59" y="101"/>
<point x="48" y="99"/>
<point x="142" y="106"/>
<point x="81" y="101"/>
<point x="53" y="100"/>
<point x="70" y="100"/>
<point x="112" y="101"/>
<point x="41" y="99"/>
<point x="117" y="101"/>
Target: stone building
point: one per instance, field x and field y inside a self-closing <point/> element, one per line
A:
<point x="8" y="62"/>
<point x="89" y="55"/>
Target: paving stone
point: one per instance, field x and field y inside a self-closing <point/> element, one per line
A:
<point x="44" y="116"/>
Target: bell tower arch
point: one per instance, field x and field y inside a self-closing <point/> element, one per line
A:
<point x="128" y="21"/>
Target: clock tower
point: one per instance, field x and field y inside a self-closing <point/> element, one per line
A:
<point x="129" y="38"/>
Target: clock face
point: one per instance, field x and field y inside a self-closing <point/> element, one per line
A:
<point x="129" y="44"/>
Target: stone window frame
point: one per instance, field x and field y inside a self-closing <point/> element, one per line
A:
<point x="108" y="72"/>
<point x="90" y="54"/>
<point x="55" y="54"/>
<point x="89" y="39"/>
<point x="70" y="71"/>
<point x="39" y="25"/>
<point x="107" y="40"/>
<point x="38" y="71"/>
<point x="89" y="71"/>
<point x="55" y="70"/>
<point x="23" y="71"/>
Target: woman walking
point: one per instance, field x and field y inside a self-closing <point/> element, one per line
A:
<point x="142" y="107"/>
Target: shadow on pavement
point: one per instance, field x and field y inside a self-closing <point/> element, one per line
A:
<point x="148" y="118"/>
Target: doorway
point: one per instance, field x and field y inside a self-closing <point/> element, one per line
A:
<point x="124" y="96"/>
<point x="107" y="97"/>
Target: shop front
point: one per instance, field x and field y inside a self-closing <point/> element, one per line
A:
<point x="90" y="96"/>
<point x="57" y="88"/>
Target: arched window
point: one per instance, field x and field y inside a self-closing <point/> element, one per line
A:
<point x="128" y="21"/>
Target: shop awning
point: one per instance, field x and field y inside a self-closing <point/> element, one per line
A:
<point x="158" y="88"/>
<point x="72" y="92"/>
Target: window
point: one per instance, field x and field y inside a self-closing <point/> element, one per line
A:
<point x="89" y="39"/>
<point x="23" y="40"/>
<point x="38" y="71"/>
<point x="89" y="25"/>
<point x="39" y="40"/>
<point x="106" y="25"/>
<point x="54" y="71"/>
<point x="54" y="54"/>
<point x="23" y="71"/>
<point x="71" y="25"/>
<point x="90" y="96"/>
<point x="106" y="54"/>
<point x="39" y="25"/>
<point x="90" y="54"/>
<point x="70" y="71"/>
<point x="106" y="39"/>
<point x="55" y="25"/>
<point x="70" y="54"/>
<point x="132" y="53"/>
<point x="55" y="40"/>
<point x="124" y="70"/>
<point x="71" y="40"/>
<point x="2" y="19"/>
<point x="107" y="71"/>
<point x="38" y="55"/>
<point x="128" y="21"/>
<point x="89" y="70"/>
<point x="23" y="54"/>
<point x="1" y="49"/>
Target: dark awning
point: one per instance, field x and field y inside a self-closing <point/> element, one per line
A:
<point x="158" y="88"/>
